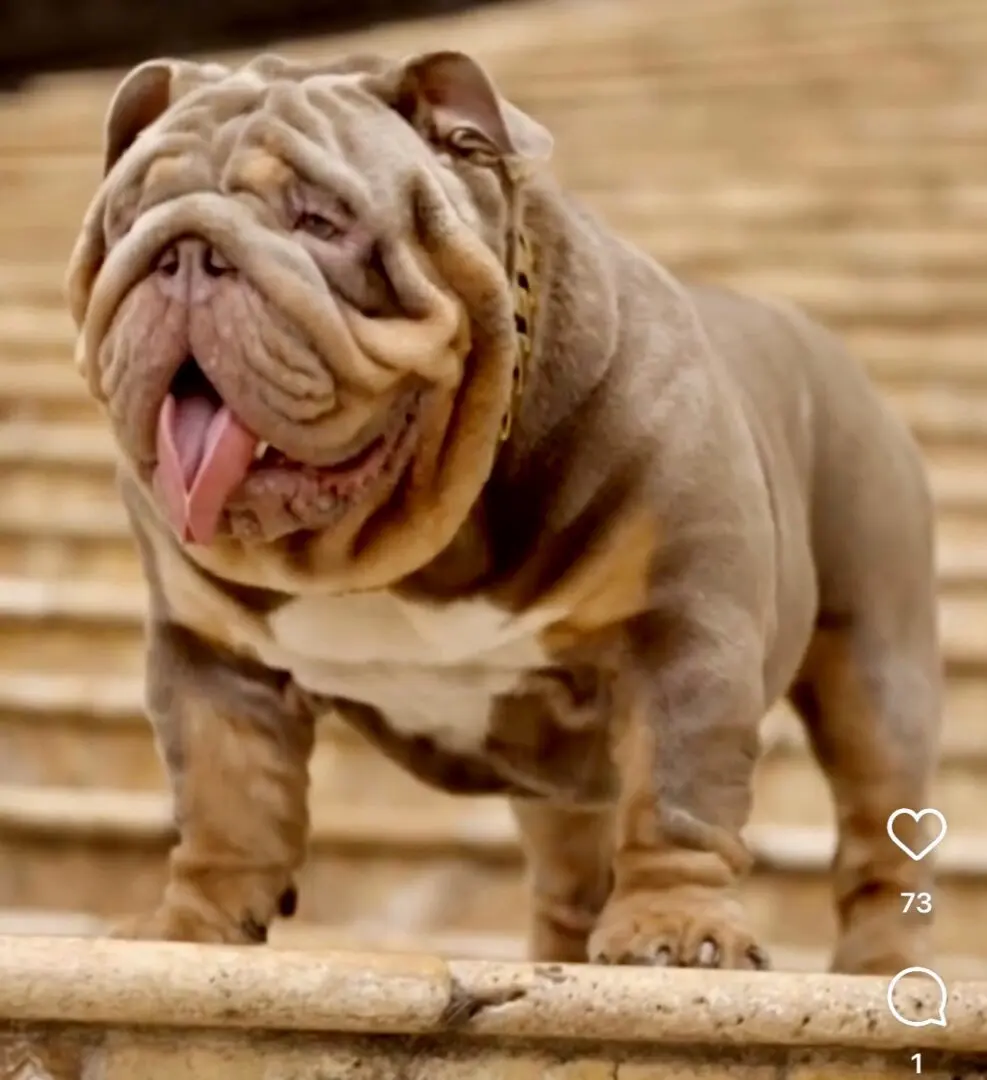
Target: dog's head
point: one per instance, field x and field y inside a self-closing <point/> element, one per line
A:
<point x="301" y="294"/>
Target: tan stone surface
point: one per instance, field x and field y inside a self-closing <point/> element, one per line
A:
<point x="121" y="984"/>
<point x="167" y="1011"/>
<point x="124" y="1055"/>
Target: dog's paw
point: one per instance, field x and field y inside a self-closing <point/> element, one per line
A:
<point x="680" y="927"/>
<point x="171" y="923"/>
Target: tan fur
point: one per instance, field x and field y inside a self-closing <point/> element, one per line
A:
<point x="607" y="585"/>
<point x="241" y="784"/>
<point x="632" y="516"/>
<point x="866" y="793"/>
<point x="263" y="172"/>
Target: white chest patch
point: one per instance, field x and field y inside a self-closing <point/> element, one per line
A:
<point x="431" y="669"/>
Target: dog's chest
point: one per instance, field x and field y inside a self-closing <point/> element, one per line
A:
<point x="430" y="669"/>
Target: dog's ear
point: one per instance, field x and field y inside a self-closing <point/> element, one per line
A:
<point x="139" y="100"/>
<point x="452" y="102"/>
<point x="143" y="95"/>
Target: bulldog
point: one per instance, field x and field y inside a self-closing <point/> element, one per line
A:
<point x="407" y="436"/>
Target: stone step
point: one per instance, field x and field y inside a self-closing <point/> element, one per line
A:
<point x="53" y="488"/>
<point x="559" y="102"/>
<point x="78" y="499"/>
<point x="43" y="459"/>
<point x="77" y="540"/>
<point x="35" y="322"/>
<point x="776" y="198"/>
<point x="772" y="195"/>
<point x="49" y="626"/>
<point x="958" y="479"/>
<point x="791" y="790"/>
<point x="921" y="295"/>
<point x="97" y="737"/>
<point x="33" y="293"/>
<point x="937" y="410"/>
<point x="369" y="936"/>
<point x="418" y="869"/>
<point x="961" y="550"/>
<point x="686" y="167"/>
<point x="950" y="126"/>
<point x="67" y="554"/>
<point x="52" y="625"/>
<point x="943" y="414"/>
<point x="158" y="1011"/>
<point x="735" y="83"/>
<point x="64" y="523"/>
<point x="92" y="751"/>
<point x="82" y="445"/>
<point x="43" y="621"/>
<point x="64" y="497"/>
<point x="39" y="384"/>
<point x="800" y="185"/>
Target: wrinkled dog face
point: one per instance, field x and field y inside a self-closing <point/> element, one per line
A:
<point x="291" y="290"/>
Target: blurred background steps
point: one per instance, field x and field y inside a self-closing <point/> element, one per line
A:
<point x="829" y="153"/>
<point x="71" y="730"/>
<point x="40" y="617"/>
<point x="412" y="866"/>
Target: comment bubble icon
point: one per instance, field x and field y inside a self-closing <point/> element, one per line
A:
<point x="928" y="1003"/>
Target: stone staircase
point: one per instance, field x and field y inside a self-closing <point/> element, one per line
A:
<point x="825" y="152"/>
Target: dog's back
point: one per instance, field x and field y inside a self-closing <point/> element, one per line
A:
<point x="834" y="452"/>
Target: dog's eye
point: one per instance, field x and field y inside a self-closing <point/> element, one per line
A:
<point x="318" y="226"/>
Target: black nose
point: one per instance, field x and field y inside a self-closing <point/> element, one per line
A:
<point x="213" y="262"/>
<point x="190" y="254"/>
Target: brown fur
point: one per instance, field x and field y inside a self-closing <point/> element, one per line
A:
<point x="636" y="514"/>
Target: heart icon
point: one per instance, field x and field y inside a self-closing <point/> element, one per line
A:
<point x="916" y="816"/>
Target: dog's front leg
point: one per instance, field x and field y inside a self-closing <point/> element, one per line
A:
<point x="236" y="742"/>
<point x="688" y="706"/>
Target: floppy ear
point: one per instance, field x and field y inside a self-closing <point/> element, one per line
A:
<point x="140" y="99"/>
<point x="144" y="94"/>
<point x="451" y="101"/>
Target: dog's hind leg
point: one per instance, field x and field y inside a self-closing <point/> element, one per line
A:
<point x="872" y="710"/>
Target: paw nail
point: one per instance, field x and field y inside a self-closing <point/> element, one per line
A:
<point x="709" y="954"/>
<point x="758" y="959"/>
<point x="253" y="931"/>
<point x="288" y="902"/>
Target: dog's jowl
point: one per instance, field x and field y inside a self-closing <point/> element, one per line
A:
<point x="408" y="436"/>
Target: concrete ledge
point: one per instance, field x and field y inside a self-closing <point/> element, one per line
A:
<point x="110" y="984"/>
<point x="374" y="935"/>
<point x="263" y="1056"/>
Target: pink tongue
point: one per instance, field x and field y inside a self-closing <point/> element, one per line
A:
<point x="204" y="453"/>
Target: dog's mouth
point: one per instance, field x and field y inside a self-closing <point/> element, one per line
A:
<point x="215" y="476"/>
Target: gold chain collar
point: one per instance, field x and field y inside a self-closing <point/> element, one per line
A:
<point x="521" y="270"/>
